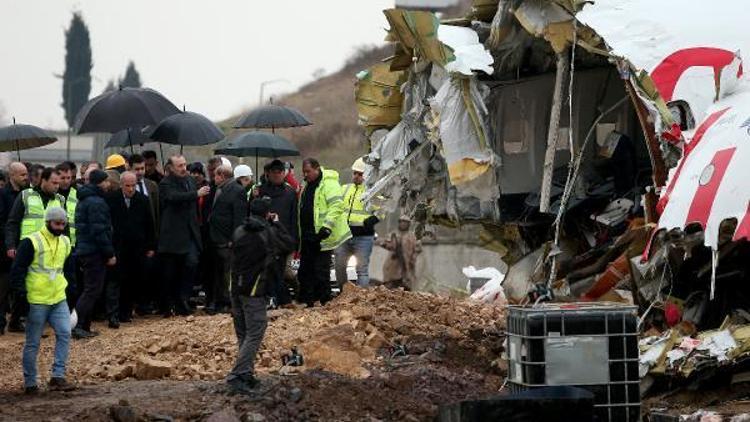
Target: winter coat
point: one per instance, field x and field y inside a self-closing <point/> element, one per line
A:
<point x="255" y="247"/>
<point x="178" y="199"/>
<point x="327" y="210"/>
<point x="227" y="212"/>
<point x="283" y="203"/>
<point x="93" y="223"/>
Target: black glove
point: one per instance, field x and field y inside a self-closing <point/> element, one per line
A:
<point x="323" y="233"/>
<point x="370" y="222"/>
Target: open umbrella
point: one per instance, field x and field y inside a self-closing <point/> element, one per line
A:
<point x="125" y="108"/>
<point x="17" y="137"/>
<point x="186" y="129"/>
<point x="127" y="137"/>
<point x="259" y="144"/>
<point x="272" y="117"/>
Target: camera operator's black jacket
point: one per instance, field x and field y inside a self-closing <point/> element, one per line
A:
<point x="255" y="246"/>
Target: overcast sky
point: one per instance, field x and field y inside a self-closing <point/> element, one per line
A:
<point x="209" y="55"/>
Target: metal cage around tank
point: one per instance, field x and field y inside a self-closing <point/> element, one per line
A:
<point x="588" y="345"/>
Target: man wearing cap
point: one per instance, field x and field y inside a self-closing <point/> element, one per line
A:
<point x="179" y="236"/>
<point x="41" y="272"/>
<point x="322" y="228"/>
<point x="114" y="167"/>
<point x="362" y="225"/>
<point x="243" y="174"/>
<point x="228" y="211"/>
<point x="284" y="205"/>
<point x="94" y="248"/>
<point x="255" y="246"/>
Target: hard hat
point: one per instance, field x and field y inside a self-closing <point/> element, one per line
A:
<point x="404" y="217"/>
<point x="114" y="161"/>
<point x="243" y="170"/>
<point x="225" y="162"/>
<point x="359" y="165"/>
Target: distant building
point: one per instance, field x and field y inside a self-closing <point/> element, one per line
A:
<point x="82" y="148"/>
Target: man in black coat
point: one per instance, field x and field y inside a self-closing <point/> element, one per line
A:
<point x="179" y="235"/>
<point x="134" y="241"/>
<point x="284" y="205"/>
<point x="228" y="211"/>
<point x="255" y="245"/>
<point x="18" y="180"/>
<point x="94" y="248"/>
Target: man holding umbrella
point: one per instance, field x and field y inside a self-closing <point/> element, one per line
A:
<point x="179" y="235"/>
<point x="323" y="227"/>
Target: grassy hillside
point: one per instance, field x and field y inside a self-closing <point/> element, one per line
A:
<point x="334" y="138"/>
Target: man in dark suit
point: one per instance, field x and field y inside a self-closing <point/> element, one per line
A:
<point x="228" y="210"/>
<point x="134" y="241"/>
<point x="151" y="275"/>
<point x="179" y="235"/>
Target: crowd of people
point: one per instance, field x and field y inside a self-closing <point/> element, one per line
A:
<point x="133" y="238"/>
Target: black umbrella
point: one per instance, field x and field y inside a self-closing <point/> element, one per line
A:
<point x="127" y="137"/>
<point x="259" y="144"/>
<point x="272" y="116"/>
<point x="17" y="137"/>
<point x="186" y="129"/>
<point x="125" y="108"/>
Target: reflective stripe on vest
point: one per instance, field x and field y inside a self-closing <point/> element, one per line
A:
<point x="34" y="209"/>
<point x="355" y="208"/>
<point x="70" y="207"/>
<point x="45" y="281"/>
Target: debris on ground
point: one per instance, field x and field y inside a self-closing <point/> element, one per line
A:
<point x="411" y="350"/>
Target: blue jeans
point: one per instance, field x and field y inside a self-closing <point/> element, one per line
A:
<point x="361" y="248"/>
<point x="58" y="317"/>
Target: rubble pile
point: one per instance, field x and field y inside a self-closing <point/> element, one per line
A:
<point x="349" y="336"/>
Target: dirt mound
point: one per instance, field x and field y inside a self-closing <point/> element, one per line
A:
<point x="348" y="336"/>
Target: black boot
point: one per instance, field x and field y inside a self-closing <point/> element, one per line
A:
<point x="114" y="323"/>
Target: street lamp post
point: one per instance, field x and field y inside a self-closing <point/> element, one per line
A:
<point x="263" y="85"/>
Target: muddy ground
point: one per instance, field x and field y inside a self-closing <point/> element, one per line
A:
<point x="355" y="369"/>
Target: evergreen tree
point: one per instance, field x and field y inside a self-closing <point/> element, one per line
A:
<point x="77" y="76"/>
<point x="132" y="78"/>
<point x="110" y="86"/>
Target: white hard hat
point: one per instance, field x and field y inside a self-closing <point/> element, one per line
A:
<point x="243" y="170"/>
<point x="225" y="162"/>
<point x="359" y="165"/>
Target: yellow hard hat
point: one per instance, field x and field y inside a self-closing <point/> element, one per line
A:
<point x="359" y="165"/>
<point x="114" y="161"/>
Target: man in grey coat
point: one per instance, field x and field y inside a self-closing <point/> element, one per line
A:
<point x="228" y="211"/>
<point x="179" y="235"/>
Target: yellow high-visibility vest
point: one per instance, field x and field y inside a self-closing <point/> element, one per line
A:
<point x="34" y="209"/>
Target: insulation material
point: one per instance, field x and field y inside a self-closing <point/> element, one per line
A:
<point x="683" y="45"/>
<point x="378" y="96"/>
<point x="710" y="183"/>
<point x="547" y="20"/>
<point x="469" y="52"/>
<point x="463" y="130"/>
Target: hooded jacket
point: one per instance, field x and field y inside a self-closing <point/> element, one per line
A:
<point x="93" y="223"/>
<point x="255" y="246"/>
